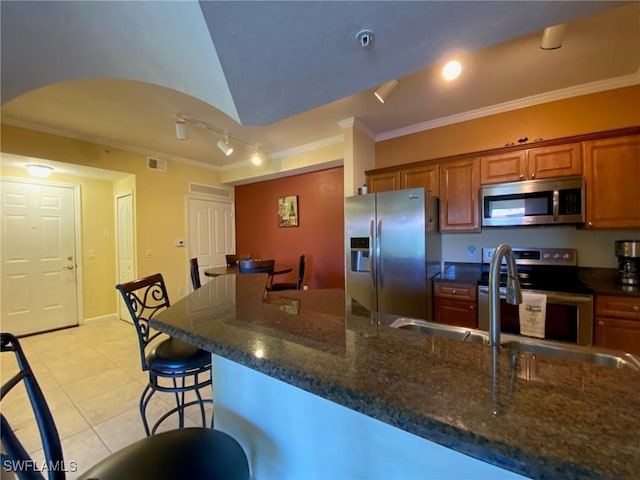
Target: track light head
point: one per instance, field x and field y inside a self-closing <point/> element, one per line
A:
<point x="552" y="37"/>
<point x="225" y="147"/>
<point x="181" y="130"/>
<point x="255" y="158"/>
<point x="385" y="90"/>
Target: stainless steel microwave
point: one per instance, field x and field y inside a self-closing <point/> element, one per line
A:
<point x="554" y="201"/>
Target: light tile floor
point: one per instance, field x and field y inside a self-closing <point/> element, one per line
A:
<point x="92" y="380"/>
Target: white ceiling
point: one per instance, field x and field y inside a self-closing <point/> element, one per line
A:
<point x="283" y="74"/>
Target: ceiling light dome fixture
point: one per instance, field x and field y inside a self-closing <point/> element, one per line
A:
<point x="452" y="70"/>
<point x="224" y="145"/>
<point x="552" y="37"/>
<point x="40" y="171"/>
<point x="385" y="90"/>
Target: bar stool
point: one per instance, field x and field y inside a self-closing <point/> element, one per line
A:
<point x="185" y="453"/>
<point x="174" y="366"/>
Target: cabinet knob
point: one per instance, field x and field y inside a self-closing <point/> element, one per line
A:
<point x="454" y="291"/>
<point x="601" y="323"/>
<point x="521" y="177"/>
<point x="635" y="308"/>
<point x="590" y="224"/>
<point x="533" y="175"/>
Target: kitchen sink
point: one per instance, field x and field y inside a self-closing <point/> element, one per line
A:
<point x="574" y="353"/>
<point x="524" y="345"/>
<point x="448" y="331"/>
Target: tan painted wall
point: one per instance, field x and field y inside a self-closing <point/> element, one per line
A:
<point x="585" y="114"/>
<point x="160" y="201"/>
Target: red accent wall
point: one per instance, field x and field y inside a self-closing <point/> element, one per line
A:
<point x="319" y="236"/>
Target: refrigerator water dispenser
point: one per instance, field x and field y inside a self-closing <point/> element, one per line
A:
<point x="360" y="260"/>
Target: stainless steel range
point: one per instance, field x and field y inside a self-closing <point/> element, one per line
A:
<point x="552" y="272"/>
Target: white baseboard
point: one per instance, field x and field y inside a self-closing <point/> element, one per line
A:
<point x="110" y="316"/>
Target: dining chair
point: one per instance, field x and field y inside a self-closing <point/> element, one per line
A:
<point x="195" y="273"/>
<point x="292" y="286"/>
<point x="174" y="366"/>
<point x="184" y="453"/>
<point x="232" y="259"/>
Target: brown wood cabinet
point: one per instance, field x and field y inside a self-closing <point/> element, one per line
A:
<point x="427" y="176"/>
<point x="617" y="323"/>
<point x="455" y="304"/>
<point x="383" y="181"/>
<point x="612" y="173"/>
<point x="459" y="189"/>
<point x="610" y="162"/>
<point x="534" y="163"/>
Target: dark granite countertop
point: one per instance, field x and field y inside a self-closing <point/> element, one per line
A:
<point x="539" y="417"/>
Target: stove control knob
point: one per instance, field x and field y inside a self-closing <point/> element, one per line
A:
<point x="556" y="256"/>
<point x="546" y="256"/>
<point x="565" y="256"/>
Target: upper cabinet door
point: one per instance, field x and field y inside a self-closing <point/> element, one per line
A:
<point x="459" y="187"/>
<point x="554" y="161"/>
<point x="383" y="182"/>
<point x="612" y="170"/>
<point x="503" y="167"/>
<point x="427" y="176"/>
<point x="534" y="163"/>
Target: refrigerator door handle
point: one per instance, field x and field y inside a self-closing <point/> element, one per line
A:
<point x="378" y="256"/>
<point x="372" y="253"/>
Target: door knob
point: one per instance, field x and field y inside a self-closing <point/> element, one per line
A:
<point x="68" y="267"/>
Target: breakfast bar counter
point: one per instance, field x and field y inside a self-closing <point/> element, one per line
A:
<point x="315" y="386"/>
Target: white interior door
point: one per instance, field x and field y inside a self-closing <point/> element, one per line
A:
<point x="39" y="276"/>
<point x="125" y="247"/>
<point x="211" y="232"/>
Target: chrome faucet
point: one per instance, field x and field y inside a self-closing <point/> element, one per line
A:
<point x="514" y="295"/>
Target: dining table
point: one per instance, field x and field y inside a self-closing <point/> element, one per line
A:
<point x="231" y="269"/>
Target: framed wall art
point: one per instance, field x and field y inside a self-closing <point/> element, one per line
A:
<point x="288" y="211"/>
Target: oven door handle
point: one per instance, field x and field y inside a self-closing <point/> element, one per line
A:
<point x="552" y="297"/>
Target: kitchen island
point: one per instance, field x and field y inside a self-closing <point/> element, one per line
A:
<point x="315" y="386"/>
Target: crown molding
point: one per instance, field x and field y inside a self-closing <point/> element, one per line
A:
<point x="353" y="122"/>
<point x="107" y="143"/>
<point x="562" y="94"/>
<point x="326" y="142"/>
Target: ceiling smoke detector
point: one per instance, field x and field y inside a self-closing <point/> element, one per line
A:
<point x="365" y="38"/>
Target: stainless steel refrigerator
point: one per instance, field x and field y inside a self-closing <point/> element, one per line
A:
<point x="392" y="251"/>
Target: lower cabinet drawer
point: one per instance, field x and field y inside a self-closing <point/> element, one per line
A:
<point x="458" y="291"/>
<point x="619" y="307"/>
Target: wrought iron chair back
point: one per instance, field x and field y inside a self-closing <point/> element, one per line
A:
<point x="144" y="298"/>
<point x="15" y="454"/>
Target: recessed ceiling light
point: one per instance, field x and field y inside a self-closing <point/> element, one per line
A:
<point x="452" y="70"/>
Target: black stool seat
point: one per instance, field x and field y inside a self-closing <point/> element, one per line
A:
<point x="172" y="354"/>
<point x="190" y="453"/>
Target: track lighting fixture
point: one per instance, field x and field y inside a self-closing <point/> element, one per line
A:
<point x="181" y="133"/>
<point x="385" y="90"/>
<point x="224" y="145"/>
<point x="552" y="37"/>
